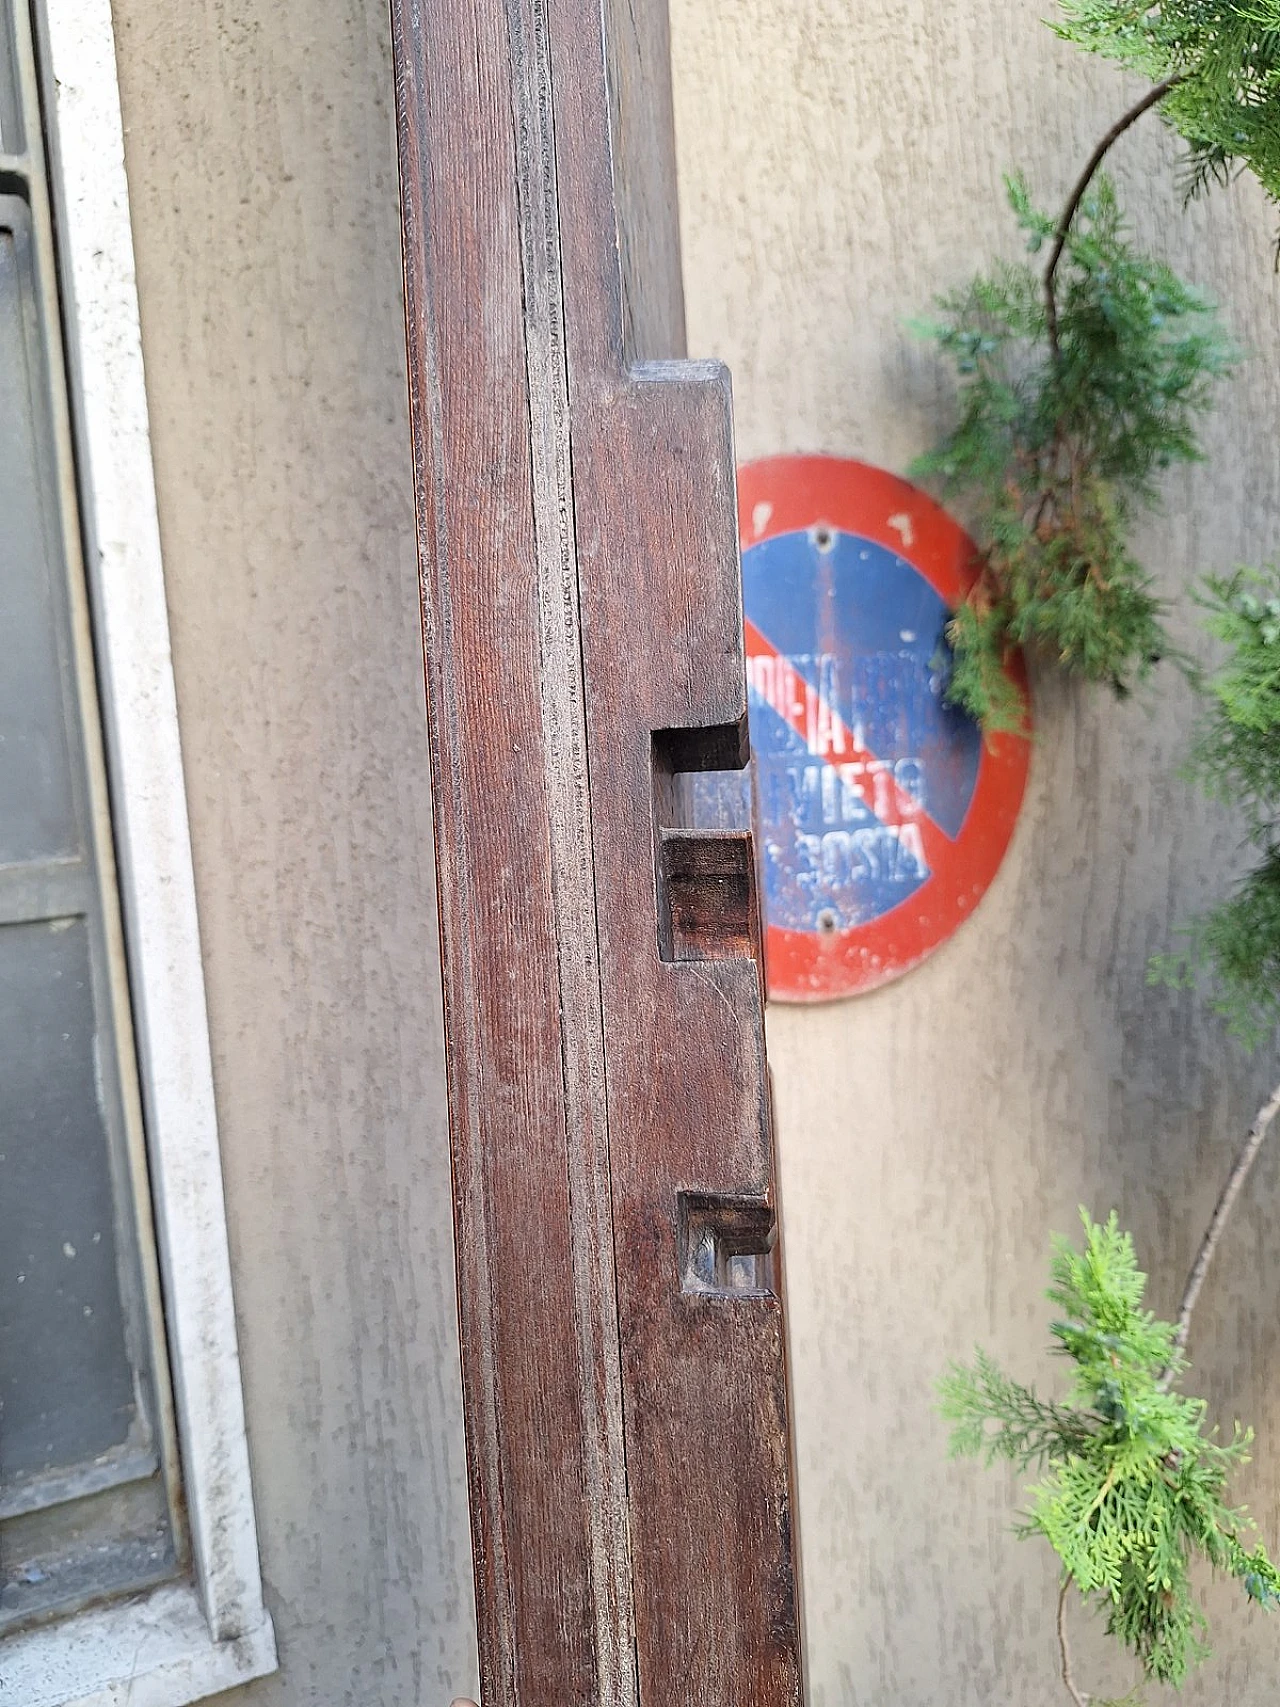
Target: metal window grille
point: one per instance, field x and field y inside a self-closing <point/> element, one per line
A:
<point x="89" y="1500"/>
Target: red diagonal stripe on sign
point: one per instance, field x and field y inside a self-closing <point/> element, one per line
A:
<point x="826" y="735"/>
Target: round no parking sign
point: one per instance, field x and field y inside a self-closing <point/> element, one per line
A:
<point x="882" y="813"/>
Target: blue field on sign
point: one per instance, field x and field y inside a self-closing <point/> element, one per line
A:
<point x="851" y="723"/>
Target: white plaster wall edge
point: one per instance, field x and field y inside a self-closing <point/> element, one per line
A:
<point x="153" y="843"/>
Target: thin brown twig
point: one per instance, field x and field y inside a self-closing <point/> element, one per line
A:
<point x="1245" y="1158"/>
<point x="1152" y="98"/>
<point x="1064" y="1651"/>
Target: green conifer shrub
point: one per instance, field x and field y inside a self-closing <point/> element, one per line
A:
<point x="1237" y="759"/>
<point x="1132" y="1489"/>
<point x="1079" y="387"/>
<point x="1054" y="455"/>
<point x="1217" y="66"/>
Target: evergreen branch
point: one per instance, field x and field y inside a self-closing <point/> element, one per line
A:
<point x="1028" y="1431"/>
<point x="1245" y="1158"/>
<point x="1226" y="54"/>
<point x="1056" y="452"/>
<point x="1135" y="1489"/>
<point x="1064" y="1650"/>
<point x="1152" y="98"/>
<point x="1080" y="387"/>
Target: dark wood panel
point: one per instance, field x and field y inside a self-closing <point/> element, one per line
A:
<point x="620" y="1287"/>
<point x="474" y="480"/>
<point x="704" y="1370"/>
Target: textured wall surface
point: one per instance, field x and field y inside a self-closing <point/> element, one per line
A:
<point x="261" y="160"/>
<point x="840" y="163"/>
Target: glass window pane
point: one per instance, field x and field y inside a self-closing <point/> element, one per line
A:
<point x="37" y="806"/>
<point x="66" y="1385"/>
<point x="87" y="1454"/>
<point x="10" y="115"/>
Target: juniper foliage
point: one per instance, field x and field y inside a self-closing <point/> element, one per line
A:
<point x="1132" y="1490"/>
<point x="1079" y="388"/>
<point x="1225" y="58"/>
<point x="1237" y="758"/>
<point x="1055" y="453"/>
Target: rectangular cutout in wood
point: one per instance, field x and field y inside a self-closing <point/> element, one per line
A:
<point x="726" y="1245"/>
<point x="679" y="754"/>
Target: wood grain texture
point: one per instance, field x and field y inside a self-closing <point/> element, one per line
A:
<point x="509" y="1081"/>
<point x="627" y="1419"/>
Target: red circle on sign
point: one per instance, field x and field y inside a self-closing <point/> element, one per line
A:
<point x="795" y="494"/>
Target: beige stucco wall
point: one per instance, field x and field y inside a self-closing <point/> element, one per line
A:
<point x="261" y="162"/>
<point x="839" y="164"/>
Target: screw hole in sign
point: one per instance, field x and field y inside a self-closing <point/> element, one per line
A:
<point x="882" y="813"/>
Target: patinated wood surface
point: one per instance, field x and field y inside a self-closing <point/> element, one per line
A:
<point x="619" y="1280"/>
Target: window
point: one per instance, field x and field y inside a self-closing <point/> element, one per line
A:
<point x="116" y="1367"/>
<point x="87" y="1459"/>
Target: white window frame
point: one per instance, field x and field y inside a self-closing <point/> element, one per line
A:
<point x="189" y="1639"/>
